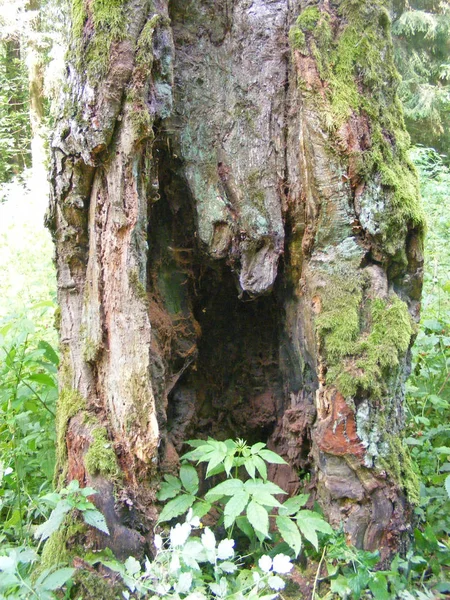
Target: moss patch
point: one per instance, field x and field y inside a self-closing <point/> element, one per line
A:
<point x="109" y="25"/>
<point x="93" y="586"/>
<point x="305" y="22"/>
<point x="144" y="56"/>
<point x="354" y="60"/>
<point x="101" y="458"/>
<point x="56" y="550"/>
<point x="362" y="347"/>
<point x="398" y="463"/>
<point x="70" y="402"/>
<point x="137" y="286"/>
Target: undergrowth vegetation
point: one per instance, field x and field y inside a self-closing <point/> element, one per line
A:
<point x="240" y="539"/>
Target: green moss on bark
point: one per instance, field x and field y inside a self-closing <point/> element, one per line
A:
<point x="361" y="350"/>
<point x="56" y="550"/>
<point x="398" y="463"/>
<point x="79" y="16"/>
<point x="108" y="19"/>
<point x="100" y="459"/>
<point x="137" y="286"/>
<point x="90" y="585"/>
<point x="306" y="21"/>
<point x="355" y="63"/>
<point x="70" y="402"/>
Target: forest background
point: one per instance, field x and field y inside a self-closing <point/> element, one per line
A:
<point x="32" y="46"/>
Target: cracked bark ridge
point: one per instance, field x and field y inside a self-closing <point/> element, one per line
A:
<point x="223" y="262"/>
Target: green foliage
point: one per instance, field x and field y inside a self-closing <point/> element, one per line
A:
<point x="245" y="504"/>
<point x="428" y="391"/>
<point x="15" y="131"/>
<point x="67" y="499"/>
<point x="199" y="568"/>
<point x="16" y="567"/>
<point x="422" y="35"/>
<point x="28" y="391"/>
<point x="354" y="574"/>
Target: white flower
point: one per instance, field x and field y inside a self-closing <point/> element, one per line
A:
<point x="225" y="549"/>
<point x="175" y="564"/>
<point x="208" y="539"/>
<point x="196" y="596"/>
<point x="179" y="534"/>
<point x="265" y="563"/>
<point x="275" y="582"/>
<point x="158" y="541"/>
<point x="193" y="521"/>
<point x="184" y="583"/>
<point x="162" y="589"/>
<point x="282" y="564"/>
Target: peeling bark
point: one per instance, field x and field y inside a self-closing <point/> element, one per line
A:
<point x="234" y="256"/>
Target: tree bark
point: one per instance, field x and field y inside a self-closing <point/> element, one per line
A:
<point x="238" y="241"/>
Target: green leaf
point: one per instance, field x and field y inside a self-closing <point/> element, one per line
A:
<point x="169" y="488"/>
<point x="228" y="464"/>
<point x="261" y="467"/>
<point x="49" y="352"/>
<point x="43" y="379"/>
<point x="176" y="507"/>
<point x="265" y="499"/>
<point x="189" y="478"/>
<point x="293" y="505"/>
<point x="57" y="579"/>
<point x="290" y="533"/>
<point x="234" y="507"/>
<point x="132" y="566"/>
<point x="254" y="486"/>
<point x="217" y="457"/>
<point x="271" y="457"/>
<point x="258" y="518"/>
<point x="201" y="508"/>
<point x="255" y="449"/>
<point x="339" y="586"/>
<point x="226" y="488"/>
<point x="250" y="467"/>
<point x="57" y="515"/>
<point x="244" y="525"/>
<point x="309" y="524"/>
<point x="378" y="585"/>
<point x="95" y="519"/>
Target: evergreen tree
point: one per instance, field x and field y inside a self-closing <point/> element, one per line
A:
<point x="422" y="30"/>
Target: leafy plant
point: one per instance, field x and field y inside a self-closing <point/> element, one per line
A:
<point x="28" y="391"/>
<point x="199" y="568"/>
<point x="246" y="504"/>
<point x="15" y="576"/>
<point x="71" y="498"/>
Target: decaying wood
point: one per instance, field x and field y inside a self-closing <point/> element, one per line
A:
<point x="204" y="220"/>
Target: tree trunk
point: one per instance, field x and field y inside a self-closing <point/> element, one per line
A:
<point x="238" y="242"/>
<point x="36" y="90"/>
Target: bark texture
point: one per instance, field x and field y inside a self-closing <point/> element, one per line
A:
<point x="238" y="245"/>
